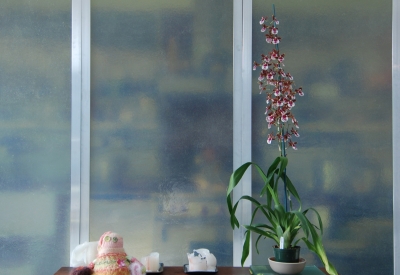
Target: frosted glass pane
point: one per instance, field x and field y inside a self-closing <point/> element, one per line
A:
<point x="341" y="56"/>
<point x="34" y="136"/>
<point x="161" y="127"/>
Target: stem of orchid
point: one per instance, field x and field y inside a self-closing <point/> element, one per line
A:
<point x="276" y="45"/>
<point x="283" y="152"/>
<point x="283" y="149"/>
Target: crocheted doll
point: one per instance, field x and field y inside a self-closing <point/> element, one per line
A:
<point x="111" y="259"/>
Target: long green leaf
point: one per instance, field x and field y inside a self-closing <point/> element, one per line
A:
<point x="246" y="247"/>
<point x="237" y="176"/>
<point x="317" y="247"/>
<point x="258" y="239"/>
<point x="292" y="190"/>
<point x="320" y="224"/>
<point x="305" y="224"/>
<point x="262" y="232"/>
<point x="281" y="172"/>
<point x="265" y="226"/>
<point x="273" y="166"/>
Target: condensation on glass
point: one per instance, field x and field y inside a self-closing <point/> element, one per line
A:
<point x="341" y="57"/>
<point x="161" y="126"/>
<point x="34" y="136"/>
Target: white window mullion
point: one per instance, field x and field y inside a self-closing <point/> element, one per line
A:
<point x="80" y="122"/>
<point x="85" y="130"/>
<point x="242" y="69"/>
<point x="76" y="91"/>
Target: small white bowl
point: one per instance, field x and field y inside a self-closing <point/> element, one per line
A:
<point x="287" y="268"/>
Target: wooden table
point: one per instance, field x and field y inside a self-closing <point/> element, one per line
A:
<point x="178" y="270"/>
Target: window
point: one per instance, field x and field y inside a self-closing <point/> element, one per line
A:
<point x="152" y="152"/>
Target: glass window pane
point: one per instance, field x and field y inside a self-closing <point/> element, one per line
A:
<point x="161" y="128"/>
<point x="35" y="128"/>
<point x="341" y="55"/>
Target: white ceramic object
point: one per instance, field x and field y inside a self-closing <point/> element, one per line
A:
<point x="197" y="263"/>
<point x="210" y="258"/>
<point x="151" y="262"/>
<point x="287" y="268"/>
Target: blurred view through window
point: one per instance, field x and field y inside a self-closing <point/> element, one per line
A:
<point x="35" y="135"/>
<point x="161" y="118"/>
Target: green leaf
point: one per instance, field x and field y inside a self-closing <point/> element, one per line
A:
<point x="292" y="190"/>
<point x="258" y="238"/>
<point x="270" y="178"/>
<point x="321" y="227"/>
<point x="265" y="226"/>
<point x="319" y="250"/>
<point x="305" y="224"/>
<point x="246" y="247"/>
<point x="237" y="176"/>
<point x="281" y="172"/>
<point x="274" y="165"/>
<point x="261" y="232"/>
<point x="279" y="231"/>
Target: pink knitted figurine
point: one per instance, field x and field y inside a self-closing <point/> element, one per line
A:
<point x="111" y="259"/>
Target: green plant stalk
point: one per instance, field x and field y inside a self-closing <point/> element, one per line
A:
<point x="283" y="154"/>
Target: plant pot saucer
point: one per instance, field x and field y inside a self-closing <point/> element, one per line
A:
<point x="287" y="268"/>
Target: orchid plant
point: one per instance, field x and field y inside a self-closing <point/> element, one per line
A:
<point x="283" y="222"/>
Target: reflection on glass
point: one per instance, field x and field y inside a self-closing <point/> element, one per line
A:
<point x="342" y="59"/>
<point x="161" y="136"/>
<point x="34" y="136"/>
